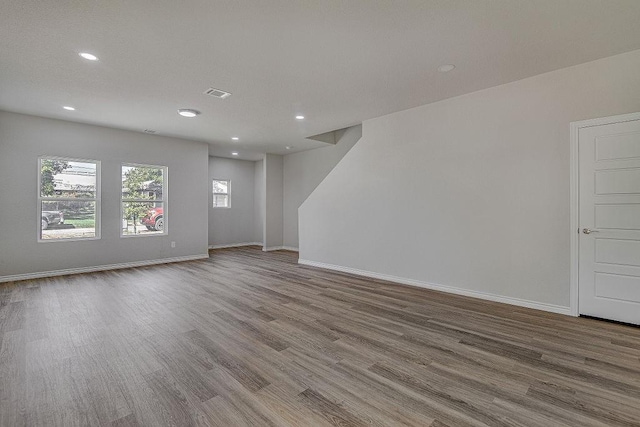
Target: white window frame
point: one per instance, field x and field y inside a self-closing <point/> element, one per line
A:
<point x="96" y="199"/>
<point x="165" y="198"/>
<point x="228" y="194"/>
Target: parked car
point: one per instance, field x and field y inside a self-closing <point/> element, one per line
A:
<point x="51" y="218"/>
<point x="154" y="220"/>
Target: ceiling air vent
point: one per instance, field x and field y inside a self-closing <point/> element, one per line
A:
<point x="217" y="93"/>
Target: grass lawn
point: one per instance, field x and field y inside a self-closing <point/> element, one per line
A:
<point x="81" y="223"/>
<point x="80" y="219"/>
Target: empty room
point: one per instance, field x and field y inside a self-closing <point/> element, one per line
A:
<point x="320" y="212"/>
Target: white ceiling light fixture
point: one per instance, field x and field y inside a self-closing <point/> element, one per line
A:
<point x="235" y="138"/>
<point x="234" y="153"/>
<point x="68" y="108"/>
<point x="299" y="117"/>
<point x="88" y="56"/>
<point x="446" y="68"/>
<point x="288" y="147"/>
<point x="187" y="112"/>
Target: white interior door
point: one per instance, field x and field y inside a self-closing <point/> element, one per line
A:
<point x="609" y="219"/>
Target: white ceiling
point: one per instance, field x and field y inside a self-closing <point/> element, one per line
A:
<point x="338" y="62"/>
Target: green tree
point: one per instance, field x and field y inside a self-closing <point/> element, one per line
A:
<point x="49" y="168"/>
<point x="140" y="184"/>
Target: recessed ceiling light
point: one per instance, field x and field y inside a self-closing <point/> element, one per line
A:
<point x="446" y="68"/>
<point x="299" y="117"/>
<point x="288" y="147"/>
<point x="88" y="56"/>
<point x="66" y="107"/>
<point x="186" y="112"/>
<point x="235" y="153"/>
<point x="235" y="138"/>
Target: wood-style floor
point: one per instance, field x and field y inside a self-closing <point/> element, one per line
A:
<point x="253" y="339"/>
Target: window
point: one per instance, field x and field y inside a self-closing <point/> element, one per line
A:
<point x="144" y="200"/>
<point x="68" y="199"/>
<point x="221" y="193"/>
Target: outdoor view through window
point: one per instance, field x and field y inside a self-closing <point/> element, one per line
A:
<point x="143" y="200"/>
<point x="68" y="199"/>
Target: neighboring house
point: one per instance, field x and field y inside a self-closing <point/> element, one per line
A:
<point x="152" y="190"/>
<point x="73" y="180"/>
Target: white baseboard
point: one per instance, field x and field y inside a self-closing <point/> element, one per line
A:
<point x="449" y="289"/>
<point x="92" y="269"/>
<point x="235" y="245"/>
<point x="280" y="248"/>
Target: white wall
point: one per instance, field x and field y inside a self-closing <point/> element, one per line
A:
<point x="303" y="171"/>
<point x="234" y="225"/>
<point x="273" y="173"/>
<point x="24" y="138"/>
<point x="470" y="192"/>
<point x="258" y="201"/>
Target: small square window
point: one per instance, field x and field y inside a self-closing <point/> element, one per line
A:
<point x="221" y="193"/>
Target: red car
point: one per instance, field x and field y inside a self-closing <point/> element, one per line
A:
<point x="154" y="220"/>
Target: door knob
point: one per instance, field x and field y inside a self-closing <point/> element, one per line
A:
<point x="589" y="231"/>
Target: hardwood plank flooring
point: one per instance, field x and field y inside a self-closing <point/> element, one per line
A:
<point x="248" y="338"/>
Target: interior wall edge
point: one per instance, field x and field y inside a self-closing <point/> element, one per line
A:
<point x="93" y="269"/>
<point x="444" y="288"/>
<point x="235" y="245"/>
<point x="280" y="248"/>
